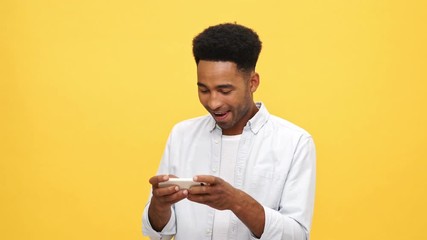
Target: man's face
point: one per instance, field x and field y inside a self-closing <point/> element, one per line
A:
<point x="226" y="93"/>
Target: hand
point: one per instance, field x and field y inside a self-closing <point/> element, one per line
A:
<point x="162" y="199"/>
<point x="217" y="193"/>
<point x="221" y="195"/>
<point x="166" y="196"/>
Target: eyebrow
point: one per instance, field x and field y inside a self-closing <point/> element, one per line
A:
<point x="201" y="84"/>
<point x="222" y="86"/>
<point x="225" y="86"/>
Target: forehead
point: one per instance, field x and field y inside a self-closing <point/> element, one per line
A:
<point x="217" y="71"/>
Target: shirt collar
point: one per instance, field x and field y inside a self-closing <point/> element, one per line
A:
<point x="254" y="124"/>
<point x="259" y="119"/>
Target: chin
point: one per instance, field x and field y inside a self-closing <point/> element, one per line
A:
<point x="223" y="126"/>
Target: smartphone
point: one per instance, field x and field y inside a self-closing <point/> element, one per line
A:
<point x="183" y="183"/>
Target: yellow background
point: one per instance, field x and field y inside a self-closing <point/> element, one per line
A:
<point x="89" y="91"/>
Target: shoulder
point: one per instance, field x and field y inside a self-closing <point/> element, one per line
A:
<point x="276" y="126"/>
<point x="280" y="132"/>
<point x="284" y="128"/>
<point x="287" y="125"/>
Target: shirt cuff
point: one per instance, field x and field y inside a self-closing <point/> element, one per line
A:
<point x="278" y="226"/>
<point x="167" y="232"/>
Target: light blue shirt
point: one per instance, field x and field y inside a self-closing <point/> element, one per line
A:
<point x="276" y="165"/>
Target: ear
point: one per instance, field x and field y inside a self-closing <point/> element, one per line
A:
<point x="254" y="82"/>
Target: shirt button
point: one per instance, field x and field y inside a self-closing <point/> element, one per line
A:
<point x="213" y="169"/>
<point x="208" y="231"/>
<point x="216" y="141"/>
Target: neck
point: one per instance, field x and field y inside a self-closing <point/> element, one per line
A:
<point x="239" y="129"/>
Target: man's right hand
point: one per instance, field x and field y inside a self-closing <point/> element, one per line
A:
<point x="159" y="211"/>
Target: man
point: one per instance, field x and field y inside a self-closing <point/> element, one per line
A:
<point x="259" y="169"/>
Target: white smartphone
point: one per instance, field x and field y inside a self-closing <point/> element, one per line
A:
<point x="183" y="183"/>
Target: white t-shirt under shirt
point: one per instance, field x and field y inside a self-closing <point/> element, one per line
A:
<point x="229" y="148"/>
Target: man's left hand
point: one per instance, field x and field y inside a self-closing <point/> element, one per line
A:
<point x="220" y="195"/>
<point x="216" y="193"/>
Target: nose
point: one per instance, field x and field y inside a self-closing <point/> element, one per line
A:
<point x="214" y="101"/>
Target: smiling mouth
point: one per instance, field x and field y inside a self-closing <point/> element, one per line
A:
<point x="220" y="115"/>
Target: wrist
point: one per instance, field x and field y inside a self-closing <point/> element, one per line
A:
<point x="240" y="203"/>
<point x="159" y="208"/>
<point x="159" y="215"/>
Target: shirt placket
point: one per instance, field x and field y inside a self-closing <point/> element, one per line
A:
<point x="214" y="171"/>
<point x="242" y="157"/>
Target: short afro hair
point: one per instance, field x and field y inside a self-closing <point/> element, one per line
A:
<point x="228" y="42"/>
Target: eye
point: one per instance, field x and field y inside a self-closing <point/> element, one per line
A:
<point x="202" y="90"/>
<point x="225" y="92"/>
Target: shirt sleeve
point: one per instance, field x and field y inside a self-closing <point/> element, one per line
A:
<point x="293" y="219"/>
<point x="170" y="229"/>
<point x="167" y="232"/>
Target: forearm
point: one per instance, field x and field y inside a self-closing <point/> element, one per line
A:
<point x="250" y="212"/>
<point x="167" y="232"/>
<point x="158" y="216"/>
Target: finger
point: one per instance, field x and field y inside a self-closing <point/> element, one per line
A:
<point x="206" y="179"/>
<point x="197" y="190"/>
<point x="197" y="198"/>
<point x="175" y="197"/>
<point x="159" y="178"/>
<point x="164" y="191"/>
<point x="202" y="198"/>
